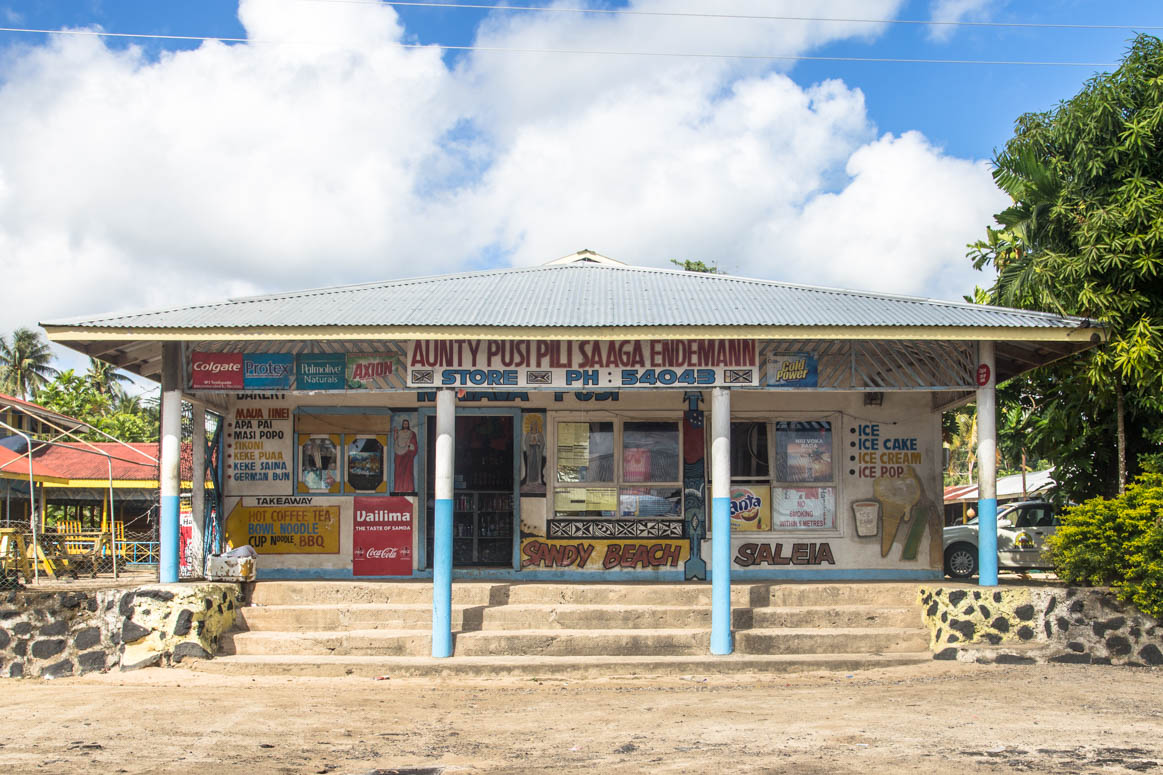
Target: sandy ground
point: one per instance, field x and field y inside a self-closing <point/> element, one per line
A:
<point x="940" y="717"/>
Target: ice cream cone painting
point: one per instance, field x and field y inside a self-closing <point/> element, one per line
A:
<point x="897" y="498"/>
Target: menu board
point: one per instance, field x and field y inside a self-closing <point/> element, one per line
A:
<point x="259" y="449"/>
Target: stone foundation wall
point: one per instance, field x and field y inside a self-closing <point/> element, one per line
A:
<point x="1017" y="625"/>
<point x="55" y="634"/>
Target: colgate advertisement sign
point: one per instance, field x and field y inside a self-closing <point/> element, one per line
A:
<point x="216" y="371"/>
<point x="382" y="536"/>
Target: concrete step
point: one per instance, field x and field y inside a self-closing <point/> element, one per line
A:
<point x="892" y="594"/>
<point x="379" y="616"/>
<point x="831" y="640"/>
<point x="364" y="592"/>
<point x="562" y="642"/>
<point x="388" y="643"/>
<point x="696" y="594"/>
<point x="827" y="616"/>
<point x="513" y="643"/>
<point x="576" y="668"/>
<point x="509" y="617"/>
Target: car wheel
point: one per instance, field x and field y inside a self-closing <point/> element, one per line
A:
<point x="961" y="561"/>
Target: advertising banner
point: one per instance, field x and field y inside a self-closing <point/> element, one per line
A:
<point x="382" y="536"/>
<point x="372" y="372"/>
<point x="792" y="370"/>
<point x="267" y="371"/>
<point x="750" y="508"/>
<point x="583" y="365"/>
<point x="320" y="371"/>
<point x="216" y="371"/>
<point x="285" y="525"/>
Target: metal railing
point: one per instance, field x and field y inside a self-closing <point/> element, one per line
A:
<point x="71" y="554"/>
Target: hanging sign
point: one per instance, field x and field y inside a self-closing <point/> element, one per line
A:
<point x="792" y="370"/>
<point x="582" y="365"/>
<point x="267" y="371"/>
<point x="216" y="371"/>
<point x="371" y="372"/>
<point x="320" y="371"/>
<point x="382" y="536"/>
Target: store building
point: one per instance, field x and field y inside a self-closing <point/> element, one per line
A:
<point x="583" y="419"/>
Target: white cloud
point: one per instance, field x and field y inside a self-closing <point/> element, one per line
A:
<point x="955" y="11"/>
<point x="326" y="154"/>
<point x="900" y="226"/>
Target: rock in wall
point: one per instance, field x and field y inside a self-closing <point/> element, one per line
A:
<point x="165" y="623"/>
<point x="55" y="634"/>
<point x="1017" y="625"/>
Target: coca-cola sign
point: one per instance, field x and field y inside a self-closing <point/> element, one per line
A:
<point x="216" y="371"/>
<point x="382" y="536"/>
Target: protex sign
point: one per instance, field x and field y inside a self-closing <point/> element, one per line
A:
<point x="582" y="365"/>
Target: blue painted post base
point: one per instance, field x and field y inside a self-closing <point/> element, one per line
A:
<point x="442" y="579"/>
<point x="722" y="641"/>
<point x="168" y="539"/>
<point x="987" y="542"/>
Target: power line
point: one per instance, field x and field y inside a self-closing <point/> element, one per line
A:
<point x="753" y="17"/>
<point x="585" y="52"/>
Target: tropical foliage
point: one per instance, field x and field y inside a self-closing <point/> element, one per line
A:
<point x="1084" y="236"/>
<point x="24" y="363"/>
<point x="126" y="418"/>
<point x="1117" y="542"/>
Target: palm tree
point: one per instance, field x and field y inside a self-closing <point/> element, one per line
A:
<point x="105" y="378"/>
<point x="24" y="363"/>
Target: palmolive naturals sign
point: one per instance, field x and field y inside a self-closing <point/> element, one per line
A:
<point x="216" y="371"/>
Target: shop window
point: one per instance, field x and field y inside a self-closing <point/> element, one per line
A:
<point x="319" y="462"/>
<point x="340" y="452"/>
<point x="799" y="492"/>
<point x="366" y="464"/>
<point x="619" y="470"/>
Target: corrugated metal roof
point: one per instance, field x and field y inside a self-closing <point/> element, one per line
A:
<point x="581" y="294"/>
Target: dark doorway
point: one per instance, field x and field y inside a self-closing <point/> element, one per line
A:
<point x="482" y="504"/>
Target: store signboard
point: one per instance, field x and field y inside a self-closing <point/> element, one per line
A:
<point x="583" y="365"/>
<point x="267" y="371"/>
<point x="216" y="371"/>
<point x="382" y="536"/>
<point x="320" y="371"/>
<point x="371" y="371"/>
<point x="281" y="525"/>
<point x="792" y="370"/>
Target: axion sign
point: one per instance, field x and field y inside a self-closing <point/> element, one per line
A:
<point x="580" y="365"/>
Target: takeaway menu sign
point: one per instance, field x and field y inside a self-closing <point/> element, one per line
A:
<point x="582" y="365"/>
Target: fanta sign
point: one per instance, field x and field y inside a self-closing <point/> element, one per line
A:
<point x="216" y="371"/>
<point x="750" y="508"/>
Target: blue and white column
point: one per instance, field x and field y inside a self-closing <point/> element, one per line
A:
<point x="442" y="536"/>
<point x="721" y="639"/>
<point x="986" y="466"/>
<point x="170" y="477"/>
<point x="194" y="550"/>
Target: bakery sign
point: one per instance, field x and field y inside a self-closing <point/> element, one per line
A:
<point x="529" y="364"/>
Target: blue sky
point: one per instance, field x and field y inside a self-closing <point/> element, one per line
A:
<point x="151" y="173"/>
<point x="967" y="109"/>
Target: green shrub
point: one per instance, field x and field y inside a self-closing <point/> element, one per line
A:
<point x="1116" y="542"/>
